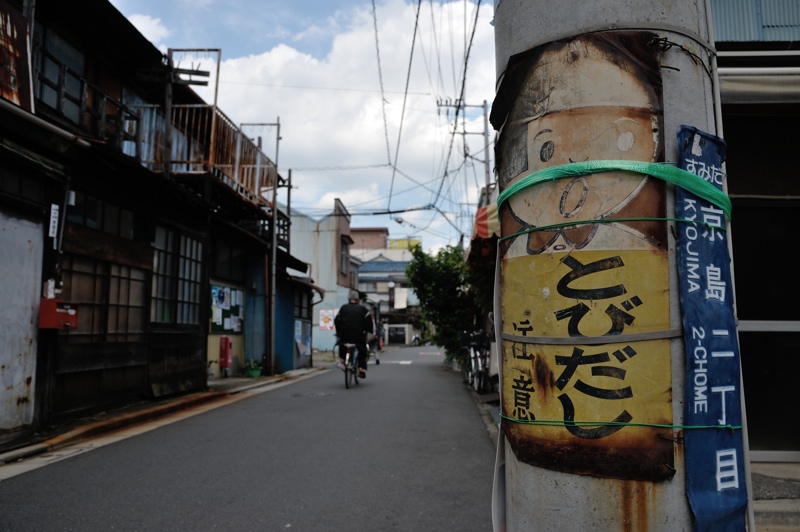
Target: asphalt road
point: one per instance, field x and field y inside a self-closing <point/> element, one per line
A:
<point x="404" y="450"/>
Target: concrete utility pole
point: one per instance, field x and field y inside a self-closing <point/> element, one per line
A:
<point x="273" y="290"/>
<point x="459" y="105"/>
<point x="593" y="356"/>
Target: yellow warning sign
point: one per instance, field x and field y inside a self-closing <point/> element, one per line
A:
<point x="586" y="362"/>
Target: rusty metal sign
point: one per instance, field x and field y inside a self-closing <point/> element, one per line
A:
<point x="14" y="75"/>
<point x="587" y="385"/>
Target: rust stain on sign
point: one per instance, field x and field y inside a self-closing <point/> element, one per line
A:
<point x="586" y="259"/>
<point x="588" y="408"/>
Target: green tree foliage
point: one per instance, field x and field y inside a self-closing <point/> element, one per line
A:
<point x="442" y="284"/>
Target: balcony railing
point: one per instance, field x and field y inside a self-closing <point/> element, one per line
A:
<point x="198" y="139"/>
<point x="205" y="140"/>
<point x="228" y="154"/>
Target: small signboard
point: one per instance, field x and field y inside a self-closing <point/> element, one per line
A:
<point x="584" y="273"/>
<point x="326" y="317"/>
<point x="715" y="478"/>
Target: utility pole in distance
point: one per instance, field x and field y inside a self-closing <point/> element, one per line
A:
<point x="593" y="359"/>
<point x="459" y="105"/>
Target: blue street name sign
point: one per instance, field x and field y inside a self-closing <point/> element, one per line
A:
<point x="715" y="478"/>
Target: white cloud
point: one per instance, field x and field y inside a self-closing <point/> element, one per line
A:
<point x="351" y="198"/>
<point x="150" y="27"/>
<point x="331" y="115"/>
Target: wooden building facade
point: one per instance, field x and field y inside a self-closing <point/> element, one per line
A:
<point x="124" y="197"/>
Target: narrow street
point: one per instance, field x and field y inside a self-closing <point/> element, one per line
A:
<point x="406" y="449"/>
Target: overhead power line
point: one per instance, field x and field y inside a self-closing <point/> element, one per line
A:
<point x="331" y="168"/>
<point x="309" y="87"/>
<point x="460" y="98"/>
<point x="417" y="182"/>
<point x="405" y="96"/>
<point x="380" y="78"/>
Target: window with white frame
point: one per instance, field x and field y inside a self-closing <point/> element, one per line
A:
<point x="177" y="278"/>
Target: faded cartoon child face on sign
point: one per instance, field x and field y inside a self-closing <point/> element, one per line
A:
<point x="586" y="101"/>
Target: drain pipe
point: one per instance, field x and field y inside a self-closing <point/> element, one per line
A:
<point x="751" y="518"/>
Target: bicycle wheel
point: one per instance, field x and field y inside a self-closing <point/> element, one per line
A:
<point x="478" y="373"/>
<point x="348" y="371"/>
<point x="475" y="369"/>
<point x="479" y="381"/>
<point x="466" y="372"/>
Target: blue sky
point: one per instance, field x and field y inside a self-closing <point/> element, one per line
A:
<point x="313" y="66"/>
<point x="245" y="27"/>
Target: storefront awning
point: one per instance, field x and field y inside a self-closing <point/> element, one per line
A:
<point x="289" y="261"/>
<point x="486" y="221"/>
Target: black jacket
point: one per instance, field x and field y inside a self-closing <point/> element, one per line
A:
<point x="352" y="322"/>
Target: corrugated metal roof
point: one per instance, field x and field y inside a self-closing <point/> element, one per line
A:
<point x="755" y="20"/>
<point x="382" y="266"/>
<point x="781" y="20"/>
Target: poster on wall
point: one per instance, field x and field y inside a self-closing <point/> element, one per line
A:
<point x="302" y="337"/>
<point x="15" y="83"/>
<point x="326" y="317"/>
<point x="227" y="309"/>
<point x="584" y="273"/>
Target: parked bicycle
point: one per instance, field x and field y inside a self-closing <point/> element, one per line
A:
<point x="373" y="346"/>
<point x="475" y="367"/>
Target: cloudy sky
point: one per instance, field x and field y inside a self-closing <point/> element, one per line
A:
<point x="376" y="134"/>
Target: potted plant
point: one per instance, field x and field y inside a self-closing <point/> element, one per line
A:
<point x="252" y="367"/>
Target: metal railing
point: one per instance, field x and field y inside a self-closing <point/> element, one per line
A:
<point x="233" y="157"/>
<point x="283" y="223"/>
<point x="198" y="139"/>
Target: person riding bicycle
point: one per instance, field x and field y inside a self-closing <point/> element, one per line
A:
<point x="353" y="323"/>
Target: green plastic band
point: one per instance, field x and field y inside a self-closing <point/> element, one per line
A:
<point x="671" y="174"/>
<point x="561" y="423"/>
<point x="610" y="221"/>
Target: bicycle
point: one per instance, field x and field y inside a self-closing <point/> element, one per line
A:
<point x="350" y="365"/>
<point x="373" y="348"/>
<point x="476" y="368"/>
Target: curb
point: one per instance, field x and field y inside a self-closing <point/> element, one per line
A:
<point x="108" y="425"/>
<point x="101" y="427"/>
